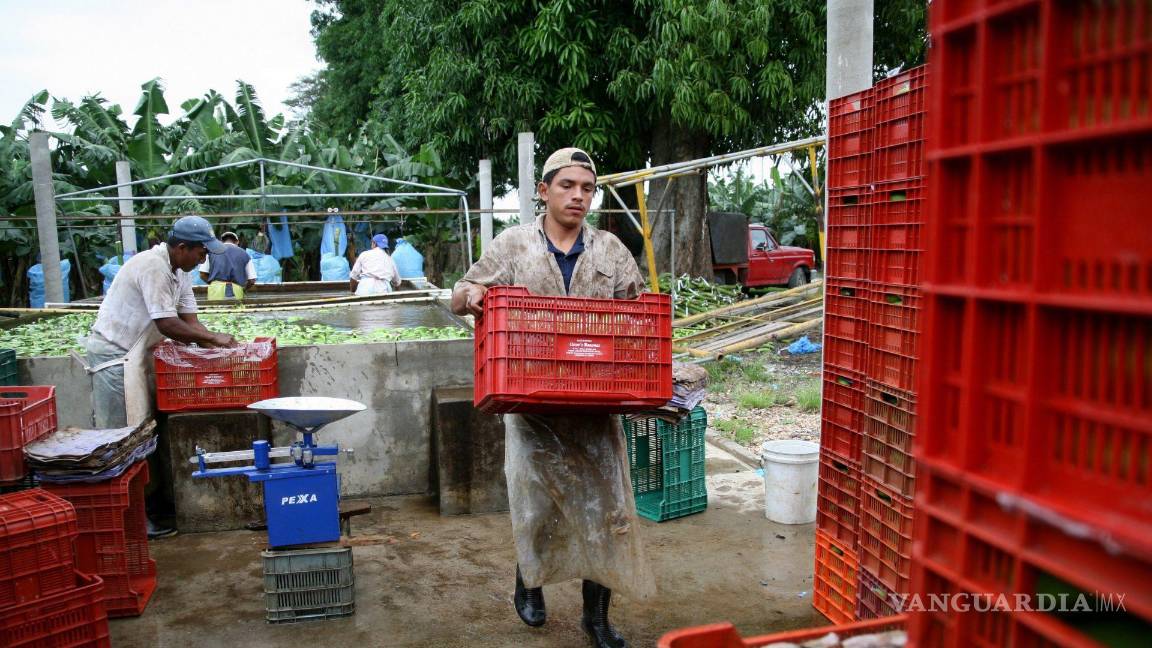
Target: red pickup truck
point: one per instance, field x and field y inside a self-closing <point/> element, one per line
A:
<point x="749" y="255"/>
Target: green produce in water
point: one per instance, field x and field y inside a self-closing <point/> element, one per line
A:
<point x="56" y="336"/>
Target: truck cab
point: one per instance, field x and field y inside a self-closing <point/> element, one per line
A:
<point x="748" y="254"/>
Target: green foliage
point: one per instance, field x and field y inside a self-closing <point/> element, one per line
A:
<point x="754" y="371"/>
<point x="808" y="396"/>
<point x="56" y="336"/>
<point x="785" y="203"/>
<point x="757" y="399"/>
<point x="209" y="131"/>
<point x="721" y="371"/>
<point x="735" y="429"/>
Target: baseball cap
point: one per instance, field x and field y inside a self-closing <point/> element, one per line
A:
<point x="196" y="229"/>
<point x="380" y="240"/>
<point x="567" y="157"/>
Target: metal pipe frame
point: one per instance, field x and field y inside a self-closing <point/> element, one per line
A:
<point x="260" y="197"/>
<point x="262" y="160"/>
<point x="626" y="178"/>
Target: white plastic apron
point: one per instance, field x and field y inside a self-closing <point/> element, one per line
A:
<point x="139" y="382"/>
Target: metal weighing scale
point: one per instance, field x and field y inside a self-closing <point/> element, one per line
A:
<point x="301" y="497"/>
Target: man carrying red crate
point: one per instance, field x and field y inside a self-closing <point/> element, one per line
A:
<point x="572" y="508"/>
<point x="149" y="300"/>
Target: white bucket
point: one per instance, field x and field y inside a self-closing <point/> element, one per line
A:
<point x="790" y="471"/>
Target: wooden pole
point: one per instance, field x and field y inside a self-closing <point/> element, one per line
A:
<point x="485" y="180"/>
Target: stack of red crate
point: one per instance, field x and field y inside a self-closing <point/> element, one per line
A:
<point x="871" y="343"/>
<point x="44" y="600"/>
<point x="113" y="537"/>
<point x="1035" y="437"/>
<point x="27" y="414"/>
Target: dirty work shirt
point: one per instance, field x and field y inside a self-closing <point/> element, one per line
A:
<point x="376" y="273"/>
<point x="569" y="491"/>
<point x="146" y="288"/>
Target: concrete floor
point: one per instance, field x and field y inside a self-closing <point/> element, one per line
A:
<point x="426" y="580"/>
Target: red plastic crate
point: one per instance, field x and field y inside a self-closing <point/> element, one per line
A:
<point x="228" y="379"/>
<point x="896" y="203"/>
<point x="953" y="113"/>
<point x="849" y="140"/>
<point x="848" y="263"/>
<point x="897" y="254"/>
<point x="69" y="619"/>
<point x="892" y="408"/>
<point x="901" y="96"/>
<point x="1012" y="95"/>
<point x="834" y="580"/>
<point x="898" y="162"/>
<point x="113" y="538"/>
<point x="848" y="206"/>
<point x="895" y="324"/>
<point x="843" y="413"/>
<point x="1102" y="78"/>
<point x="838" y="499"/>
<point x="874" y="600"/>
<point x="1087" y="181"/>
<point x="575" y="354"/>
<point x="724" y="635"/>
<point x="846" y="298"/>
<point x="37" y="531"/>
<point x="886" y="456"/>
<point x="27" y="414"/>
<point x="973" y="539"/>
<point x="885" y="541"/>
<point x="844" y="353"/>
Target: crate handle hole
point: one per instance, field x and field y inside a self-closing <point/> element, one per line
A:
<point x="894" y="299"/>
<point x="13" y="394"/>
<point x="897" y="196"/>
<point x="889" y="398"/>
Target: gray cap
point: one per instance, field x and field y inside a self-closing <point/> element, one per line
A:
<point x="196" y="229"/>
<point x="567" y="157"/>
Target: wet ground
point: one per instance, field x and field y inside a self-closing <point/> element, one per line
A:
<point x="427" y="580"/>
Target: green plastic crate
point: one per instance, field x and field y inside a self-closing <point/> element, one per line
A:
<point x="8" y="374"/>
<point x="667" y="466"/>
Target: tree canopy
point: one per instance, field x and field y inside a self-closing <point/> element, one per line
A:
<point x="631" y="82"/>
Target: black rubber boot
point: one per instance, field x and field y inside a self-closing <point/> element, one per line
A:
<point x="597" y="600"/>
<point x="529" y="602"/>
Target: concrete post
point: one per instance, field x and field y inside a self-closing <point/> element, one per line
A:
<point x="128" y="226"/>
<point x="525" y="145"/>
<point x="45" y="195"/>
<point x="849" y="66"/>
<point x="485" y="179"/>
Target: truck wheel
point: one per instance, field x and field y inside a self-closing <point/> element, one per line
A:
<point x="798" y="278"/>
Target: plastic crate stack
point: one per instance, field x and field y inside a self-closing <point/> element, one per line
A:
<point x="1035" y="436"/>
<point x="667" y="465"/>
<point x="113" y="538"/>
<point x="27" y="414"/>
<point x="8" y="372"/>
<point x="190" y="380"/>
<point x="44" y="599"/>
<point x="871" y="348"/>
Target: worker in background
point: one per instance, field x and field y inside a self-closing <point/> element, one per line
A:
<point x="230" y="272"/>
<point x="569" y="491"/>
<point x="149" y="300"/>
<point x="374" y="272"/>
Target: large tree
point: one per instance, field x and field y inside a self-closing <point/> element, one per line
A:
<point x="632" y="82"/>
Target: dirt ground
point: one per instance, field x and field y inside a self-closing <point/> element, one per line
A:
<point x="753" y="397"/>
<point x="427" y="580"/>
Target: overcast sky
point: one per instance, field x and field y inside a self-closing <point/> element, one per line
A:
<point x="76" y="47"/>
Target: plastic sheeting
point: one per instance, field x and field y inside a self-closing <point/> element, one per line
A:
<point x="334" y="239"/>
<point x="268" y="269"/>
<point x="111" y="267"/>
<point x="573" y="512"/>
<point x="408" y="260"/>
<point x="191" y="355"/>
<point x="281" y="239"/>
<point x="334" y="268"/>
<point x="36" y="283"/>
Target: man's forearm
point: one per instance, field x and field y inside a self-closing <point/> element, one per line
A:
<point x="183" y="330"/>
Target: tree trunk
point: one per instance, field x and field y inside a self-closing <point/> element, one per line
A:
<point x="689" y="197"/>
